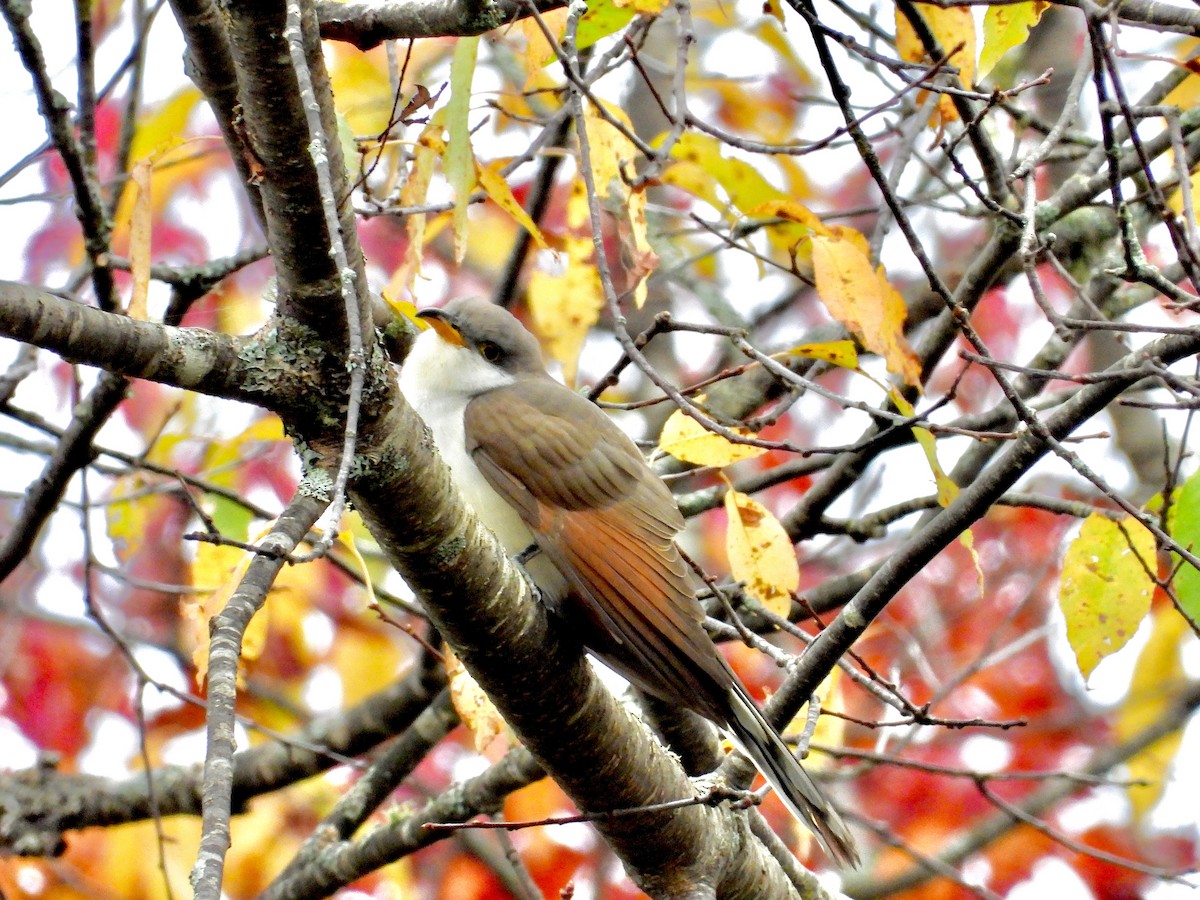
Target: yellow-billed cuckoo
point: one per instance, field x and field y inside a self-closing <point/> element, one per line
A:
<point x="541" y="466"/>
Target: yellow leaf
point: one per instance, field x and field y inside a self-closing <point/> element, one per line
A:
<point x="792" y="234"/>
<point x="787" y="208"/>
<point x="472" y="704"/>
<point x="610" y="151"/>
<point x="703" y="161"/>
<point x="861" y="298"/>
<point x="774" y="9"/>
<point x="840" y="353"/>
<point x="1106" y="587"/>
<point x="216" y="573"/>
<point x="1005" y="27"/>
<point x="158" y="135"/>
<point x="141" y="219"/>
<point x="352" y="647"/>
<point x="362" y="87"/>
<point x="760" y="553"/>
<point x="563" y="307"/>
<point x="853" y="236"/>
<point x="689" y="441"/>
<point x="1156" y="679"/>
<point x="497" y="188"/>
<point x="165" y="127"/>
<point x="538" y="51"/>
<point x="639" y="258"/>
<point x="603" y="17"/>
<point x="459" y="164"/>
<point x="954" y="28"/>
<point x="407" y="310"/>
<point x="429" y="148"/>
<point x="127" y="514"/>
<point x="692" y="178"/>
<point x="644" y="7"/>
<point x="947" y="490"/>
<point x="1186" y="94"/>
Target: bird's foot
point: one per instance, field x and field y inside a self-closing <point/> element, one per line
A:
<point x="712" y="789"/>
<point x="519" y="561"/>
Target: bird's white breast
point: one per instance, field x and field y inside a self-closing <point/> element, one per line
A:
<point x="439" y="380"/>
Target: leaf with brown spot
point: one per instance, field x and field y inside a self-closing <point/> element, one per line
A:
<point x="761" y="554"/>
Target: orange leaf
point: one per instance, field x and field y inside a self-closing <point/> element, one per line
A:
<point x="954" y="28"/>
<point x="861" y="298"/>
<point x="497" y="188"/>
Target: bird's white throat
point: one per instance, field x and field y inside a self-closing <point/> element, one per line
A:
<point x="439" y="379"/>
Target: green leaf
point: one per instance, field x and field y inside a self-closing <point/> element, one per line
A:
<point x="1005" y="27"/>
<point x="460" y="158"/>
<point x="232" y="519"/>
<point x="1106" y="587"/>
<point x="602" y="18"/>
<point x="1185" y="528"/>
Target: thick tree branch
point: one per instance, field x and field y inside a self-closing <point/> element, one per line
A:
<point x="601" y="756"/>
<point x="366" y="24"/>
<point x="210" y="66"/>
<point x="277" y="135"/>
<point x="189" y="358"/>
<point x="1150" y="13"/>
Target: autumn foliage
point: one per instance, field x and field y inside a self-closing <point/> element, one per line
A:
<point x="859" y="285"/>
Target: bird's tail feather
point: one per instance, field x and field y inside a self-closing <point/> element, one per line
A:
<point x="784" y="773"/>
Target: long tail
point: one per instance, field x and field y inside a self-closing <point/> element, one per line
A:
<point x="782" y="770"/>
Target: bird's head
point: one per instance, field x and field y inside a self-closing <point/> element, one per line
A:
<point x="475" y="346"/>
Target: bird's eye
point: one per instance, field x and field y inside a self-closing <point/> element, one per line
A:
<point x="490" y="351"/>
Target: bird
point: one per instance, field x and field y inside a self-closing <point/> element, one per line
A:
<point x="568" y="492"/>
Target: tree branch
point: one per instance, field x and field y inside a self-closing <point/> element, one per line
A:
<point x="971" y="503"/>
<point x="39" y="805"/>
<point x="224" y="652"/>
<point x="366" y="24"/>
<point x="190" y="358"/>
